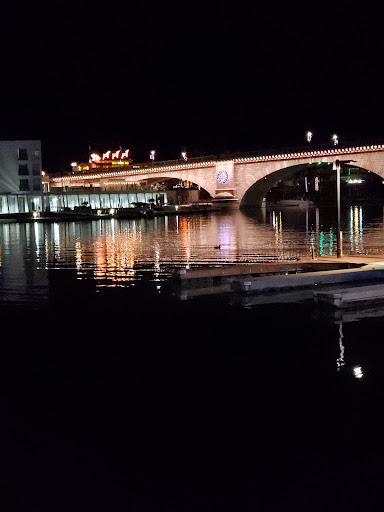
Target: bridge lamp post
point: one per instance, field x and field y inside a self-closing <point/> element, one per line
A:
<point x="335" y="140"/>
<point x="337" y="166"/>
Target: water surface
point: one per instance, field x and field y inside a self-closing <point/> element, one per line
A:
<point x="118" y="396"/>
<point x="118" y="252"/>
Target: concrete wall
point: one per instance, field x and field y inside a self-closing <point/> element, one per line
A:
<point x="13" y="169"/>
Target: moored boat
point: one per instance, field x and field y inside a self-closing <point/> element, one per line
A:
<point x="297" y="203"/>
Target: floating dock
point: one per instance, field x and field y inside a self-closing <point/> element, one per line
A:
<point x="310" y="279"/>
<point x="345" y="297"/>
<point x="260" y="269"/>
<point x="290" y="281"/>
<point x="218" y="279"/>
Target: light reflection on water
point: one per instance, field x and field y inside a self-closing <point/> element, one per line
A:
<point x="117" y="252"/>
<point x="313" y="379"/>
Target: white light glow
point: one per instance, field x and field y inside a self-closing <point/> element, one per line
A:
<point x="357" y="372"/>
<point x="335" y="139"/>
<point x="355" y="181"/>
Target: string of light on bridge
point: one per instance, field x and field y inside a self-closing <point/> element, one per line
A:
<point x="211" y="163"/>
<point x="112" y="183"/>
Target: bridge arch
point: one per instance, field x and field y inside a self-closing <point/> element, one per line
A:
<point x="256" y="193"/>
<point x="200" y="179"/>
<point x="252" y="194"/>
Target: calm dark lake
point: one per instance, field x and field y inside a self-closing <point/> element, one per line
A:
<point x="117" y="395"/>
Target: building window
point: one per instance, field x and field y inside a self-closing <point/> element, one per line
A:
<point x="24" y="185"/>
<point x="36" y="185"/>
<point x="36" y="154"/>
<point x="23" y="170"/>
<point x="36" y="169"/>
<point x="22" y="154"/>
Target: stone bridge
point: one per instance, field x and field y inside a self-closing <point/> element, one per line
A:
<point x="241" y="181"/>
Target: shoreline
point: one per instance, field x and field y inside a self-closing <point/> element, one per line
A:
<point x="108" y="213"/>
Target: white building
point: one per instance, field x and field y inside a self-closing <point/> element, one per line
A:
<point x="20" y="176"/>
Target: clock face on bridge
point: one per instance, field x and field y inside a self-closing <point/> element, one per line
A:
<point x="222" y="176"/>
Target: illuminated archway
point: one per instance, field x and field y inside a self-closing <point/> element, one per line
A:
<point x="256" y="193"/>
<point x="177" y="191"/>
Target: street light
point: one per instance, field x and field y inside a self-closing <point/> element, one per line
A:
<point x="152" y="154"/>
<point x="335" y="139"/>
<point x="308" y="136"/>
<point x="184" y="155"/>
<point x="337" y="166"/>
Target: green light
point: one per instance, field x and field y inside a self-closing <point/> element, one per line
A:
<point x="321" y="243"/>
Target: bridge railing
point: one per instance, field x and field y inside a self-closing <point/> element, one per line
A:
<point x="179" y="161"/>
<point x="232" y="156"/>
<point x="297" y="149"/>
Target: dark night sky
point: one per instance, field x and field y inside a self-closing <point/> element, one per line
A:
<point x="206" y="77"/>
